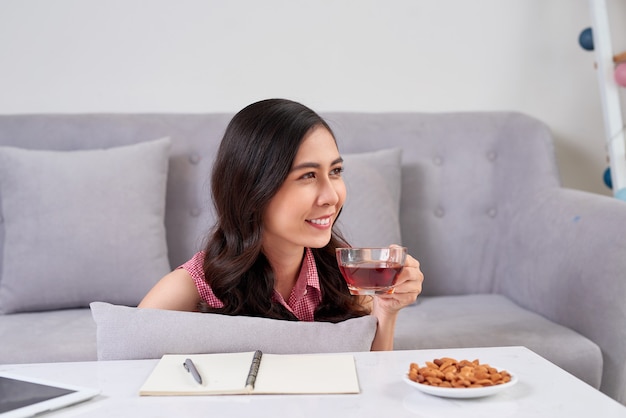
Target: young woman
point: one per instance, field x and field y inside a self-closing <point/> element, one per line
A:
<point x="278" y="190"/>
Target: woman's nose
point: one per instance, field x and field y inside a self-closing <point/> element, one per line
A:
<point x="328" y="194"/>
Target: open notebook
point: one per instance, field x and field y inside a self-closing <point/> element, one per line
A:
<point x="228" y="373"/>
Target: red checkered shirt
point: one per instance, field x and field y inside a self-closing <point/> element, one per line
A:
<point x="303" y="300"/>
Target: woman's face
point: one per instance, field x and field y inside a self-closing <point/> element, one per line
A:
<point x="303" y="211"/>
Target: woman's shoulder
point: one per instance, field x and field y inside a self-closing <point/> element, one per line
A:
<point x="175" y="291"/>
<point x="195" y="265"/>
<point x="195" y="268"/>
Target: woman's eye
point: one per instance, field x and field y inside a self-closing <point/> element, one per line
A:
<point x="312" y="175"/>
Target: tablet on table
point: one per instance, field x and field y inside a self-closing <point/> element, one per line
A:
<point x="22" y="396"/>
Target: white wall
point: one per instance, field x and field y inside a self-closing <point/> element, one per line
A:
<point x="369" y="55"/>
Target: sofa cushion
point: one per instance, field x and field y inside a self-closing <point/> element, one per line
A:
<point x="42" y="337"/>
<point x="125" y="333"/>
<point x="371" y="213"/>
<point x="484" y="320"/>
<point x="82" y="225"/>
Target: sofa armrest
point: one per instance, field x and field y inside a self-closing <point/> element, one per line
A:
<point x="564" y="257"/>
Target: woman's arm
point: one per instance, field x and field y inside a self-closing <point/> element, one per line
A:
<point x="386" y="307"/>
<point x="176" y="291"/>
<point x="383" y="339"/>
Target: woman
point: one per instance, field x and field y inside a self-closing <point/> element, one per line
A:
<point x="278" y="190"/>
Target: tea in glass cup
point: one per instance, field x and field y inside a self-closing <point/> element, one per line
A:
<point x="371" y="271"/>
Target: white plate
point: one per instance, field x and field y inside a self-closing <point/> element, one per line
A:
<point x="461" y="392"/>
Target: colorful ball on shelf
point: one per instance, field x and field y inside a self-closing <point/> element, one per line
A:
<point x="621" y="194"/>
<point x="585" y="39"/>
<point x="607" y="178"/>
<point x="620" y="74"/>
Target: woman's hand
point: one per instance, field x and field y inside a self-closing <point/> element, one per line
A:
<point x="386" y="307"/>
<point x="408" y="287"/>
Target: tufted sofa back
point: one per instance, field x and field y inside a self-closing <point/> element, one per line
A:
<point x="463" y="174"/>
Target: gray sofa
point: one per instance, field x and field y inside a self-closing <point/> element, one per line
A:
<point x="509" y="256"/>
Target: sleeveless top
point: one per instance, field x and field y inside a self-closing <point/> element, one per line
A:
<point x="305" y="296"/>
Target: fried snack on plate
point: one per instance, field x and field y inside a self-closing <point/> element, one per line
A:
<point x="448" y="372"/>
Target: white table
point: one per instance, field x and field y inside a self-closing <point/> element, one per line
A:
<point x="543" y="390"/>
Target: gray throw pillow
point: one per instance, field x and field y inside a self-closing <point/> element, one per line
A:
<point x="126" y="333"/>
<point x="82" y="225"/>
<point x="371" y="213"/>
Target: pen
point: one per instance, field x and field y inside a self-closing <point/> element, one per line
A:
<point x="254" y="370"/>
<point x="191" y="368"/>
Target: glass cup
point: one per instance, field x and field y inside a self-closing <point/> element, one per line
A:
<point x="371" y="271"/>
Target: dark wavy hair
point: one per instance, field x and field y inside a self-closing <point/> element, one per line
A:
<point x="254" y="158"/>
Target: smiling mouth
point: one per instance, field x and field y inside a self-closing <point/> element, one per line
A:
<point x="321" y="221"/>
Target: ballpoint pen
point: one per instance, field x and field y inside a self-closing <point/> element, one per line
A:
<point x="191" y="368"/>
<point x="254" y="370"/>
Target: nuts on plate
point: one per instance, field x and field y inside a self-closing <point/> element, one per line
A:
<point x="448" y="372"/>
